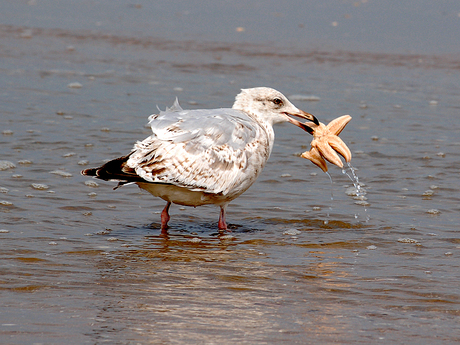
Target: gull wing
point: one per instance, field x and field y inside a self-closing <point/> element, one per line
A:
<point x="207" y="150"/>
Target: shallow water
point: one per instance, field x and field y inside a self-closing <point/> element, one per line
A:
<point x="82" y="263"/>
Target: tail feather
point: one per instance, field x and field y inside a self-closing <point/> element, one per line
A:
<point x="90" y="172"/>
<point x="115" y="169"/>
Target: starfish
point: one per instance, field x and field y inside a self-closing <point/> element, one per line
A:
<point x="326" y="144"/>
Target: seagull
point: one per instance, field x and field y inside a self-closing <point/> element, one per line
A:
<point x="205" y="156"/>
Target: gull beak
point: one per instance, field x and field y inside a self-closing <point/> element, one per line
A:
<point x="303" y="115"/>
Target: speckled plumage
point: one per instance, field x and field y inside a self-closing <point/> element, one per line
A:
<point x="204" y="156"/>
<point x="223" y="156"/>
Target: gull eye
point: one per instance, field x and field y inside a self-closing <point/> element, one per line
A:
<point x="277" y="101"/>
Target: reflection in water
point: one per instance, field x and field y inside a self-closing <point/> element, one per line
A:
<point x="226" y="289"/>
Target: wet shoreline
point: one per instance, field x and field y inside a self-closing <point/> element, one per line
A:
<point x="83" y="263"/>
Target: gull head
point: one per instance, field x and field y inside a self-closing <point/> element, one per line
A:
<point x="271" y="106"/>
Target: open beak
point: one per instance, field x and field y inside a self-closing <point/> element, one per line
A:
<point x="303" y="115"/>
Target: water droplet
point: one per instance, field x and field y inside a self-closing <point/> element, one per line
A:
<point x="428" y="192"/>
<point x="433" y="211"/>
<point x="195" y="240"/>
<point x="24" y="162"/>
<point x="354" y="178"/>
<point x="75" y="85"/>
<point x="362" y="203"/>
<point x="407" y="240"/>
<point x="5" y="165"/>
<point x="61" y="173"/>
<point x="93" y="184"/>
<point x="350" y="191"/>
<point x="292" y="232"/>
<point x="39" y="186"/>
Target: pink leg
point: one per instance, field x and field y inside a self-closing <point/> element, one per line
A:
<point x="222" y="225"/>
<point x="165" y="218"/>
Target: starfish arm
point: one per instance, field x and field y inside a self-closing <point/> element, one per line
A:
<point x="328" y="153"/>
<point x="314" y="156"/>
<point x="337" y="125"/>
<point x="327" y="146"/>
<point x="338" y="145"/>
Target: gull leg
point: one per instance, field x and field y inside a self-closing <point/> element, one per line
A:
<point x="165" y="218"/>
<point x="222" y="225"/>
